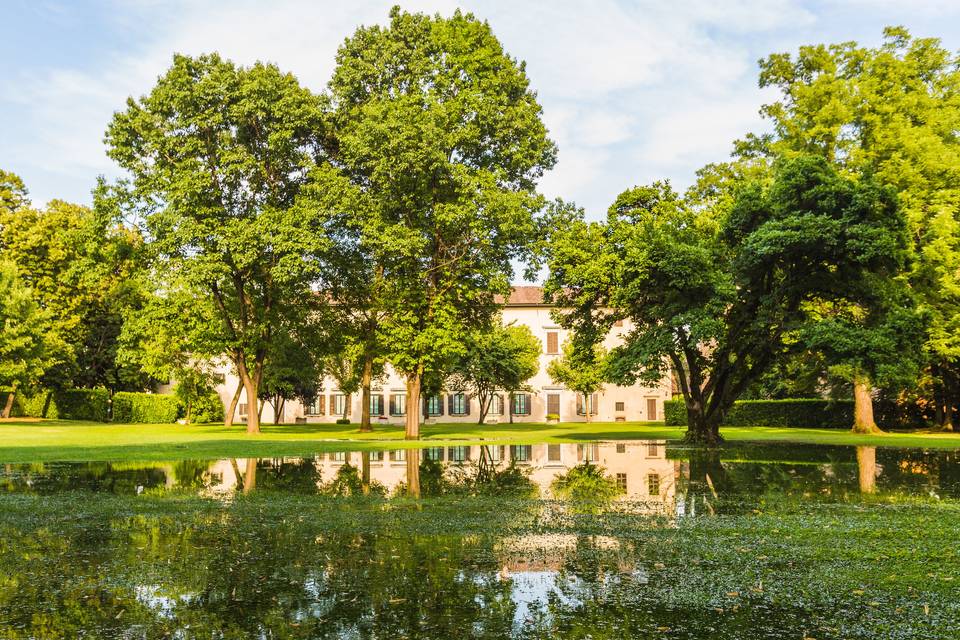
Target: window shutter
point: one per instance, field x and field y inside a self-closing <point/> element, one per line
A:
<point x="439" y="405"/>
<point x="552" y="346"/>
<point x="380" y="405"/>
<point x="580" y="404"/>
<point x="594" y="401"/>
<point x="450" y="406"/>
<point x="466" y="405"/>
<point x="321" y="404"/>
<point x="393" y="405"/>
<point x="346" y="399"/>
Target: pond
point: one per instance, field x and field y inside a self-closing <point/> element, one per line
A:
<point x="586" y="540"/>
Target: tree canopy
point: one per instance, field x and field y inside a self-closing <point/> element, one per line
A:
<point x="217" y="155"/>
<point x="439" y="130"/>
<point x="714" y="291"/>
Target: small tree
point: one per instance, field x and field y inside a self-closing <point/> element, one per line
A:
<point x="581" y="367"/>
<point x="292" y="372"/>
<point x="25" y="350"/>
<point x="500" y="359"/>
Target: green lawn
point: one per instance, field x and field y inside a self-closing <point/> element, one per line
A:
<point x="67" y="440"/>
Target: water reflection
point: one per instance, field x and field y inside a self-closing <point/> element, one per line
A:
<point x="666" y="479"/>
<point x="498" y="542"/>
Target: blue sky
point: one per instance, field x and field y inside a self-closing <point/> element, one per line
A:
<point x="632" y="91"/>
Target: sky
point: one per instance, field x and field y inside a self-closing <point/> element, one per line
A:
<point x="632" y="91"/>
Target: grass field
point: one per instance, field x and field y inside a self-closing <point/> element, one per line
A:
<point x="37" y="441"/>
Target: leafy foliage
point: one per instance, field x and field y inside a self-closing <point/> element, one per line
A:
<point x="25" y="346"/>
<point x="716" y="289"/>
<point x="500" y="358"/>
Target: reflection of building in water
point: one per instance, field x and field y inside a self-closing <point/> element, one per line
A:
<point x="640" y="468"/>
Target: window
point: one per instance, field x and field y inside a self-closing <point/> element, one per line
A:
<point x="433" y="453"/>
<point x="243" y="409"/>
<point x="588" y="452"/>
<point x="620" y="406"/>
<point x="376" y="456"/>
<point x="520" y="405"/>
<point x="376" y="405"/>
<point x="338" y="456"/>
<point x="621" y="448"/>
<point x="521" y="452"/>
<point x="496" y="406"/>
<point x="622" y="482"/>
<point x="339" y="404"/>
<point x="553" y="403"/>
<point x="652" y="450"/>
<point x="594" y="402"/>
<point x="553" y="453"/>
<point x="435" y="406"/>
<point x="553" y="346"/>
<point x="398" y="455"/>
<point x="398" y="404"/>
<point x="317" y="407"/>
<point x="458" y="454"/>
<point x="653" y="484"/>
<point x="459" y="404"/>
<point x="651" y="408"/>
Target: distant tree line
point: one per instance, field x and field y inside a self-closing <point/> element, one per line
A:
<point x="297" y="235"/>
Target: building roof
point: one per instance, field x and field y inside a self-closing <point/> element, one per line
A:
<point x="523" y="296"/>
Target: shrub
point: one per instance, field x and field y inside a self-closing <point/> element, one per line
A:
<point x="67" y="404"/>
<point x="209" y="407"/>
<point x="130" y="407"/>
<point x="585" y="483"/>
<point x="553" y="416"/>
<point x="343" y="420"/>
<point x="811" y="413"/>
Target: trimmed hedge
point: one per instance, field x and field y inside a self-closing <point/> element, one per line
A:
<point x="69" y="404"/>
<point x="811" y="413"/>
<point x="131" y="407"/>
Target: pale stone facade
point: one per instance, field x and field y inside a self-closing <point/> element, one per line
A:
<point x="612" y="404"/>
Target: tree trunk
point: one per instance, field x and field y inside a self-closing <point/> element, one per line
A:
<point x="260" y="405"/>
<point x="413" y="412"/>
<point x="587" y="408"/>
<point x="250" y="386"/>
<point x="278" y="416"/>
<point x="8" y="408"/>
<point x="701" y="430"/>
<point x="867" y="468"/>
<point x="863" y="421"/>
<point x="510" y="407"/>
<point x="484" y="407"/>
<point x="365" y="381"/>
<point x="413" y="472"/>
<point x="232" y="409"/>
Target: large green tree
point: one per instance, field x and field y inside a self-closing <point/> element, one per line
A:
<point x="891" y="112"/>
<point x="216" y="155"/>
<point x="714" y="292"/>
<point x="81" y="265"/>
<point x="500" y="359"/>
<point x="25" y="345"/>
<point x="438" y="129"/>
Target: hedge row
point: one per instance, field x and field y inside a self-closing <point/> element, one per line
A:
<point x="130" y="407"/>
<point x="94" y="405"/>
<point x="69" y="404"/>
<point x="801" y="413"/>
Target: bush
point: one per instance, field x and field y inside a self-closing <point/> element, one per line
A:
<point x="130" y="407"/>
<point x="343" y="420"/>
<point x="67" y="404"/>
<point x="553" y="416"/>
<point x="209" y="408"/>
<point x="810" y="413"/>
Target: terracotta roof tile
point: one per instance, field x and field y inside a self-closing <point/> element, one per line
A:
<point x="524" y="295"/>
